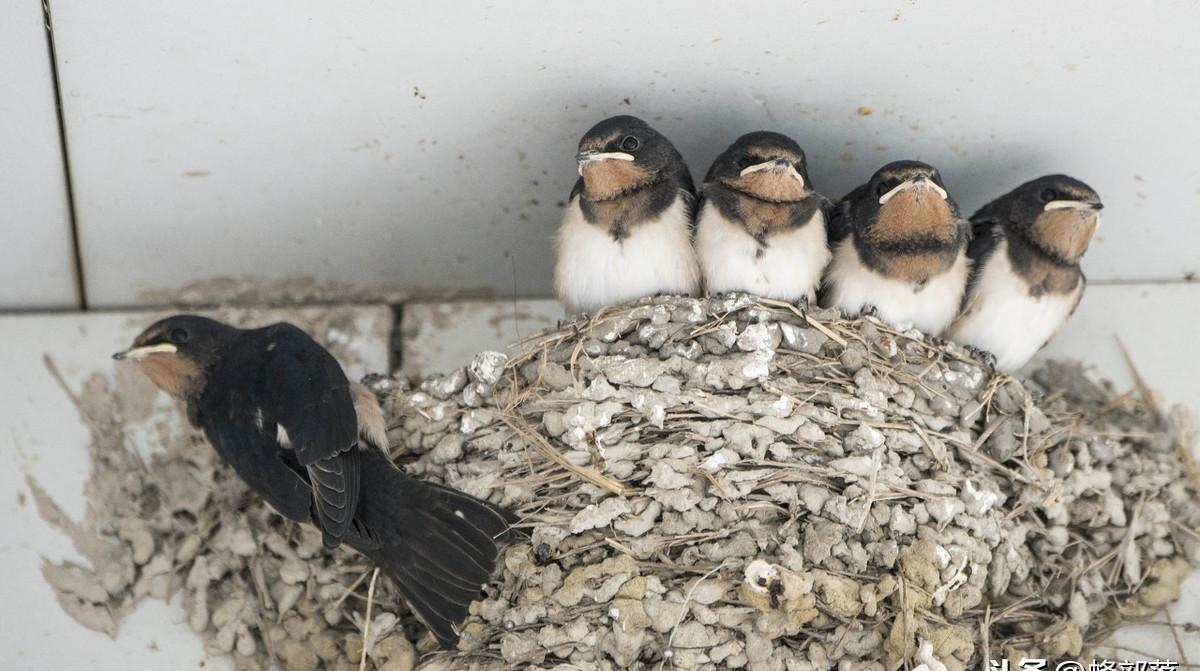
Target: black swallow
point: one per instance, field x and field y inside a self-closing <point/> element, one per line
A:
<point x="1025" y="277"/>
<point x="899" y="247"/>
<point x="278" y="408"/>
<point x="761" y="226"/>
<point x="627" y="230"/>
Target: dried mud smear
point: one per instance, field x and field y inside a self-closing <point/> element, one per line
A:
<point x="250" y="290"/>
<point x="708" y="484"/>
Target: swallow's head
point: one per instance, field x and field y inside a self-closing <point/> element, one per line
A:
<point x="1059" y="213"/>
<point x="907" y="180"/>
<point x="176" y="353"/>
<point x="623" y="154"/>
<point x="764" y="165"/>
<point x="906" y="200"/>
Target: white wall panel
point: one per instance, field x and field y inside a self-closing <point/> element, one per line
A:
<point x="422" y="146"/>
<point x="37" y="263"/>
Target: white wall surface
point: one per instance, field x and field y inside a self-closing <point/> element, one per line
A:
<point x="424" y="146"/>
<point x="37" y="266"/>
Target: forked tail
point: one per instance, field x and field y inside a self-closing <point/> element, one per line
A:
<point x="438" y="544"/>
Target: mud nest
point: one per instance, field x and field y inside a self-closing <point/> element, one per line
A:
<point x="706" y="484"/>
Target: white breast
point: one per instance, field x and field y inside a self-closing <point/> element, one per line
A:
<point x="789" y="269"/>
<point x="929" y="307"/>
<point x="593" y="270"/>
<point x="1003" y="318"/>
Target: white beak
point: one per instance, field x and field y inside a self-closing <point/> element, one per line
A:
<point x="1066" y="205"/>
<point x="144" y="351"/>
<point x="774" y="165"/>
<point x="918" y="181"/>
<point x="591" y="156"/>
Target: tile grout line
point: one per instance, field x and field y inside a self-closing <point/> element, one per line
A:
<point x="395" y="341"/>
<point x="1134" y="281"/>
<point x="397" y="304"/>
<point x="72" y="214"/>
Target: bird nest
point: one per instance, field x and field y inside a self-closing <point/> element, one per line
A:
<point x="730" y="483"/>
<point x="722" y="483"/>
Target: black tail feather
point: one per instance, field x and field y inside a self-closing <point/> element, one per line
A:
<point x="446" y="582"/>
<point x="455" y="556"/>
<point x="491" y="520"/>
<point x="441" y="612"/>
<point x="438" y="544"/>
<point x="479" y="544"/>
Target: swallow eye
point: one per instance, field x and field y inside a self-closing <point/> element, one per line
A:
<point x="1049" y="195"/>
<point x="630" y="143"/>
<point x="882" y="188"/>
<point x="743" y="162"/>
<point x="179" y="336"/>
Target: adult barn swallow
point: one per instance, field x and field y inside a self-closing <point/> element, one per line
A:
<point x="899" y="248"/>
<point x="277" y="407"/>
<point x="627" y="229"/>
<point x="1025" y="278"/>
<point x="761" y="227"/>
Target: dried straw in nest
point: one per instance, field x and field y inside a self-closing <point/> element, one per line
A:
<point x="707" y="484"/>
<point x="729" y="483"/>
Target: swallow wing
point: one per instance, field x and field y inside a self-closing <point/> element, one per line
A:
<point x="305" y="390"/>
<point x="986" y="234"/>
<point x="983" y="230"/>
<point x="838" y="220"/>
<point x="691" y="208"/>
<point x="688" y="193"/>
<point x="230" y="422"/>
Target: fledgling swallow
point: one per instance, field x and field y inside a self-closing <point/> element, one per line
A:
<point x="899" y="249"/>
<point x="627" y="231"/>
<point x="277" y="407"/>
<point x="761" y="226"/>
<point x="1025" y="277"/>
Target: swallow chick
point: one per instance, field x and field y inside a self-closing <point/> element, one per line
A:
<point x="628" y="225"/>
<point x="899" y="249"/>
<point x="1025" y="278"/>
<point x="277" y="407"/>
<point x="761" y="226"/>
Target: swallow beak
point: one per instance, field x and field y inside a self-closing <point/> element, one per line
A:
<point x="1093" y="205"/>
<point x="593" y="155"/>
<point x="780" y="165"/>
<point x="144" y="351"/>
<point x="918" y="182"/>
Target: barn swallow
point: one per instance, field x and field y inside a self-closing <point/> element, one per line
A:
<point x="899" y="249"/>
<point x="277" y="407"/>
<point x="761" y="226"/>
<point x="1025" y="277"/>
<point x="628" y="225"/>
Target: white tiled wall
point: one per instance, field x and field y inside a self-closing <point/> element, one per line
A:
<point x="423" y="147"/>
<point x="37" y="268"/>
